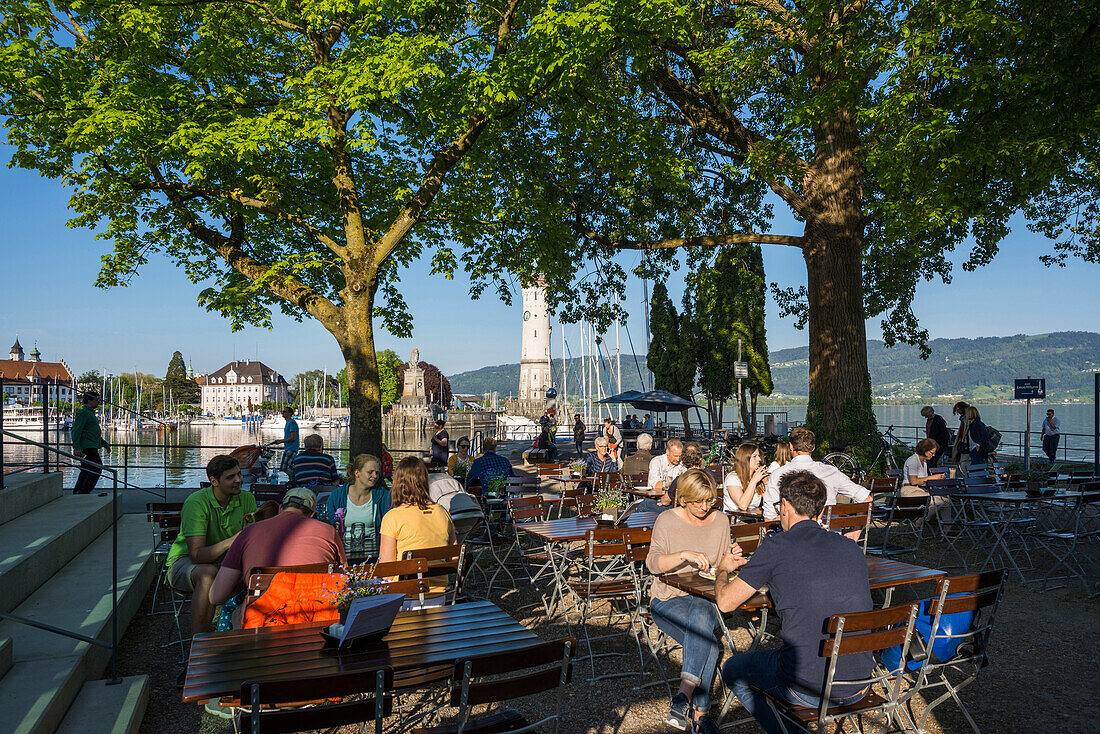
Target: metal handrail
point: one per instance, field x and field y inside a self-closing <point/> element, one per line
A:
<point x="114" y="680"/>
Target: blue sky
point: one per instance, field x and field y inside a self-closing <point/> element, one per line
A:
<point x="48" y="296"/>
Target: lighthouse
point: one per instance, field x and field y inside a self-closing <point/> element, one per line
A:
<point x="534" y="364"/>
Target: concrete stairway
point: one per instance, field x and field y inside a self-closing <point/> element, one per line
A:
<point x="55" y="568"/>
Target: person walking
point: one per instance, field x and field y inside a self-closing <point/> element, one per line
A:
<point x="1052" y="433"/>
<point x="88" y="439"/>
<point x="960" y="453"/>
<point x="579" y="430"/>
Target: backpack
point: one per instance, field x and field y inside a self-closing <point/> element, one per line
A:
<point x="993" y="441"/>
<point x="945" y="648"/>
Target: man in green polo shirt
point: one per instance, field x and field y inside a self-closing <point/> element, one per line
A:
<point x="210" y="521"/>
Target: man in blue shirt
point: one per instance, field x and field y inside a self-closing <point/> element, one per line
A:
<point x="489" y="465"/>
<point x="647" y="423"/>
<point x="289" y="442"/>
<point x="811" y="574"/>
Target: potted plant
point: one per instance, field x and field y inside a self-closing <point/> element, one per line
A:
<point x="1035" y="480"/>
<point x="577" y="467"/>
<point x="495" y="487"/>
<point x="609" y="505"/>
<point x="359" y="583"/>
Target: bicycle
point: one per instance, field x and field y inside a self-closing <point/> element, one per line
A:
<point x="848" y="464"/>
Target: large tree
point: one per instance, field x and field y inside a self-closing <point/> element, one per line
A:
<point x="670" y="358"/>
<point x="295" y="156"/>
<point x="724" y="303"/>
<point x="893" y="132"/>
<point x="182" y="388"/>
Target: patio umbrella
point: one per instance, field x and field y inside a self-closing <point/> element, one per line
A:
<point x="624" y="397"/>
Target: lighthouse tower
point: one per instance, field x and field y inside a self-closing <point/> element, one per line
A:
<point x="534" y="365"/>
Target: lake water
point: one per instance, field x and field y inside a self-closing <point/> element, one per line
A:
<point x="186" y="451"/>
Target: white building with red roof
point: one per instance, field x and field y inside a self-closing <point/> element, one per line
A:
<point x="24" y="379"/>
<point x="231" y="388"/>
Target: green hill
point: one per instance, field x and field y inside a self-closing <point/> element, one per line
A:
<point x="978" y="369"/>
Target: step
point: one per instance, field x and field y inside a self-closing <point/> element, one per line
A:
<point x="25" y="491"/>
<point x="35" y="545"/>
<point x="5" y="655"/>
<point x="48" y="670"/>
<point x="101" y="708"/>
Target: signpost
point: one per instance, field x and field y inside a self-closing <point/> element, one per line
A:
<point x="741" y="372"/>
<point x="1029" y="390"/>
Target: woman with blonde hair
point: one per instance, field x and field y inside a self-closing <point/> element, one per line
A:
<point x="691" y="537"/>
<point x="364" y="498"/>
<point x="745" y="485"/>
<point x="782" y="455"/>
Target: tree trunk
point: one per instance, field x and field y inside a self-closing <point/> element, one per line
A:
<point x="839" y="404"/>
<point x="753" y="395"/>
<point x="364" y="394"/>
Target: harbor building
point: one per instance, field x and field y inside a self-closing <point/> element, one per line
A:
<point x="534" y="365"/>
<point x="24" y="379"/>
<point x="232" y="387"/>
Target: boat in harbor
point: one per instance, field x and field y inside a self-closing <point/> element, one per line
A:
<point x="277" y="423"/>
<point x="29" y="418"/>
<point x="238" y="420"/>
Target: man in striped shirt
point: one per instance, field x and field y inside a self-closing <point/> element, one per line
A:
<point x="312" y="467"/>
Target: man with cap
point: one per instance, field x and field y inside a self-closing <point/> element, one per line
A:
<point x="291" y="538"/>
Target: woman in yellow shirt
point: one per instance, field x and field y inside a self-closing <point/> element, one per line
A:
<point x="414" y="521"/>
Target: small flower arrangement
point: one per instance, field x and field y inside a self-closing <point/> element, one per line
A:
<point x="495" y="486"/>
<point x="360" y="582"/>
<point x="609" y="498"/>
<point x="578" y="466"/>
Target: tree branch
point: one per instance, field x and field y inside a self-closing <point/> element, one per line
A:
<point x="230" y="249"/>
<point x="744" y="238"/>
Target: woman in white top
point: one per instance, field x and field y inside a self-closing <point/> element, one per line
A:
<point x="782" y="455"/>
<point x="745" y="485"/>
<point x="915" y="474"/>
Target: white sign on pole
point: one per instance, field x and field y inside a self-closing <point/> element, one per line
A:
<point x="741" y="370"/>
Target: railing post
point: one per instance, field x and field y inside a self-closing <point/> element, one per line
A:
<point x="115" y="680"/>
<point x="45" y="427"/>
<point x="1" y="434"/>
<point x="126" y="464"/>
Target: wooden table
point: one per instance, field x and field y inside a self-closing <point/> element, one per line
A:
<point x="646" y="492"/>
<point x="221" y="661"/>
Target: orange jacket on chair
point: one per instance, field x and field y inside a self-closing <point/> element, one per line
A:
<point x="296" y="598"/>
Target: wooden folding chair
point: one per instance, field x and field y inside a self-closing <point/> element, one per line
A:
<point x="846" y="518"/>
<point x="978" y="595"/>
<point x="902" y="518"/>
<point x="849" y="634"/>
<point x="478" y="681"/>
<point x="260" y="702"/>
<point x="445" y="560"/>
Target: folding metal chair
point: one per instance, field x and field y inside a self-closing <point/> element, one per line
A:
<point x="1070" y="546"/>
<point x="846" y="518"/>
<point x="485" y="680"/>
<point x="849" y="634"/>
<point x="902" y="527"/>
<point x="978" y="595"/>
<point x="260" y="701"/>
<point x="608" y="575"/>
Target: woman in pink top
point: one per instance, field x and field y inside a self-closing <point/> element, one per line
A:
<point x="691" y="537"/>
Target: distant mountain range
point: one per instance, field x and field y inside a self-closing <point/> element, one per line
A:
<point x="970" y="369"/>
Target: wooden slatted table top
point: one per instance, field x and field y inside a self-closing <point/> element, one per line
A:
<point x="221" y="661"/>
<point x="576" y="528"/>
<point x="882" y="574"/>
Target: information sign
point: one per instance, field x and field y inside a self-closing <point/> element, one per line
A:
<point x="741" y="370"/>
<point x="1031" y="389"/>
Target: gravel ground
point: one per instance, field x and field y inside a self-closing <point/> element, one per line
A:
<point x="1041" y="674"/>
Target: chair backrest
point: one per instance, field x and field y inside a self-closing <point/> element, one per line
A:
<point x="881" y="485"/>
<point x="749" y="535"/>
<point x="257" y="698"/>
<point x="164" y="507"/>
<point x="982" y="488"/>
<point x="586" y="504"/>
<point x="849" y="517"/>
<point x="606" y="480"/>
<point x="259" y="578"/>
<point x="908" y="509"/>
<point x="549" y="470"/>
<point x="977" y="594"/>
<point x="849" y="508"/>
<point x="554" y="657"/>
<point x="524" y="509"/>
<point x="444" y="561"/>
<point x="861" y="632"/>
